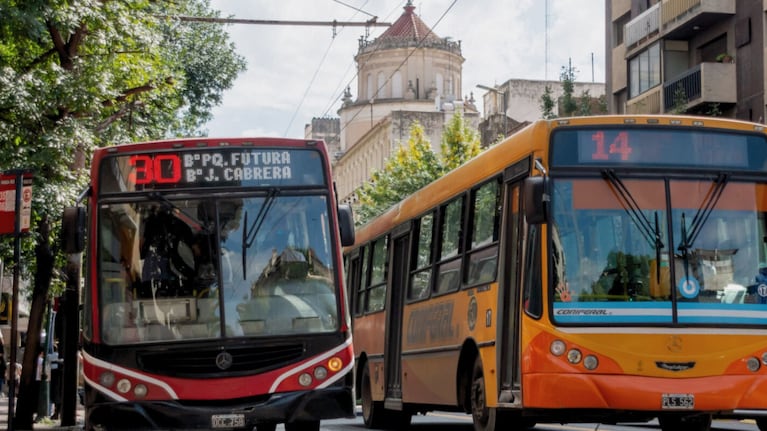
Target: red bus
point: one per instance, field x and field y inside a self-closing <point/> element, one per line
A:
<point x="214" y="293"/>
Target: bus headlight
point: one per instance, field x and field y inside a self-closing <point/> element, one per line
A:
<point x="305" y="379"/>
<point x="557" y="347"/>
<point x="107" y="379"/>
<point x="753" y="364"/>
<point x="140" y="391"/>
<point x="574" y="356"/>
<point x="764" y="358"/>
<point x="320" y="373"/>
<point x="590" y="362"/>
<point x="123" y="386"/>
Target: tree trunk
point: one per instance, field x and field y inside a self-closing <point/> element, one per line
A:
<point x="28" y="389"/>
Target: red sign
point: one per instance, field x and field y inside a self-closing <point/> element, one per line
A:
<point x="8" y="213"/>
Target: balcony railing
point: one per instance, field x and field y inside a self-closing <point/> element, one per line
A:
<point x="643" y="26"/>
<point x="676" y="9"/>
<point x="646" y="103"/>
<point x="704" y="83"/>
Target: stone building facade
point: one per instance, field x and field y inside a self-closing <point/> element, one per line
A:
<point x="405" y="75"/>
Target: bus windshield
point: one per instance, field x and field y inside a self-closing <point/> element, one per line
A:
<point x="180" y="269"/>
<point x="621" y="255"/>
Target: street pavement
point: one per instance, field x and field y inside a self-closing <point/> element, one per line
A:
<point x="43" y="424"/>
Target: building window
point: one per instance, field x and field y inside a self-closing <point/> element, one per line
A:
<point x="644" y="70"/>
<point x="396" y="85"/>
<point x="381" y="90"/>
<point x="371" y="89"/>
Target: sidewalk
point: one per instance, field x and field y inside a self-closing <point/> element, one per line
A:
<point x="46" y="424"/>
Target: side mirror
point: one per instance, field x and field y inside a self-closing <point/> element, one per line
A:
<point x="346" y="224"/>
<point x="537" y="199"/>
<point x="73" y="229"/>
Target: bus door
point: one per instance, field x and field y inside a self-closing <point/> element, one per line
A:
<point x="510" y="283"/>
<point x="399" y="259"/>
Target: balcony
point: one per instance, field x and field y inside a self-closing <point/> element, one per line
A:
<point x="681" y="19"/>
<point x="706" y="83"/>
<point x="642" y="27"/>
<point x="646" y="103"/>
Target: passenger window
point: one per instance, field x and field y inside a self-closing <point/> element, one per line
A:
<point x="420" y="279"/>
<point x="485" y="225"/>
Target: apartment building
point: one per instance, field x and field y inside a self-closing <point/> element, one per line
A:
<point x="695" y="56"/>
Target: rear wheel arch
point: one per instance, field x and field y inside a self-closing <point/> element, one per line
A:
<point x="469" y="353"/>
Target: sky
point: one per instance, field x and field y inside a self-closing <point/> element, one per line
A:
<point x="295" y="73"/>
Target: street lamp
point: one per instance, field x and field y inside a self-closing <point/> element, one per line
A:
<point x="503" y="105"/>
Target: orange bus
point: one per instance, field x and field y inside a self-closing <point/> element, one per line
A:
<point x="592" y="269"/>
<point x="214" y="294"/>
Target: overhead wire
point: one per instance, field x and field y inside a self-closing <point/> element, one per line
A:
<point x="388" y="79"/>
<point x="337" y="92"/>
<point x="319" y="66"/>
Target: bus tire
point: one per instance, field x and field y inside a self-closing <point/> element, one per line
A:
<point x="761" y="423"/>
<point x="266" y="427"/>
<point x="483" y="417"/>
<point x="372" y="411"/>
<point x="302" y="426"/>
<point x="699" y="422"/>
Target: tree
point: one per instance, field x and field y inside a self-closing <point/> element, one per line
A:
<point x="411" y="167"/>
<point x="460" y="142"/>
<point x="547" y="104"/>
<point x="569" y="102"/>
<point x="78" y="75"/>
<point x="415" y="165"/>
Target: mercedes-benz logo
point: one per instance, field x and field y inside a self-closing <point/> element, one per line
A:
<point x="223" y="360"/>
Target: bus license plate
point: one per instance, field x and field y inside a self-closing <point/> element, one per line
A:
<point x="227" y="421"/>
<point x="678" y="401"/>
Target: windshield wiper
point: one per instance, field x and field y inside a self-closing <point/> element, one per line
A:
<point x="700" y="218"/>
<point x="650" y="232"/>
<point x="709" y="202"/>
<point x="249" y="232"/>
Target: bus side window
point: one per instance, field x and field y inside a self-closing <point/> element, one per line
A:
<point x="484" y="227"/>
<point x="376" y="289"/>
<point x="532" y="286"/>
<point x="449" y="265"/>
<point x="420" y="278"/>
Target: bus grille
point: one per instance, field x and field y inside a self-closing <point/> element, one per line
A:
<point x="241" y="360"/>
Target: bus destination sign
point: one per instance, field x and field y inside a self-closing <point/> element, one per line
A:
<point x="212" y="168"/>
<point x="659" y="147"/>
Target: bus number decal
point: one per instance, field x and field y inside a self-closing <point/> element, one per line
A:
<point x="431" y="324"/>
<point x="162" y="169"/>
<point x="620" y="145"/>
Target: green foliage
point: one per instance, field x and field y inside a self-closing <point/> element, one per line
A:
<point x="460" y="142"/>
<point x="569" y="102"/>
<point x="414" y="165"/>
<point x="547" y="104"/>
<point x="679" y="100"/>
<point x="79" y="75"/>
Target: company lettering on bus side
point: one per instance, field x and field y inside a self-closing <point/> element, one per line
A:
<point x="431" y="324"/>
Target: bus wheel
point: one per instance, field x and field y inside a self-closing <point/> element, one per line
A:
<point x="700" y="422"/>
<point x="266" y="427"/>
<point x="484" y="418"/>
<point x="761" y="423"/>
<point x="372" y="411"/>
<point x="302" y="426"/>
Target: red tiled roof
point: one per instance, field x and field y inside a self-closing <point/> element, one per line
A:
<point x="409" y="27"/>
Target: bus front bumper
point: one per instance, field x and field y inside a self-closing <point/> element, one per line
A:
<point x="315" y="405"/>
